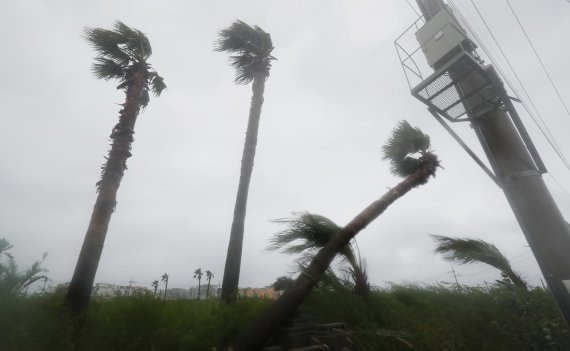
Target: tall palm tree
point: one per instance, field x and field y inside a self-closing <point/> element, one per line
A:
<point x="165" y="280"/>
<point x="401" y="149"/>
<point x="155" y="286"/>
<point x="307" y="233"/>
<point x="198" y="275"/>
<point x="466" y="251"/>
<point x="251" y="49"/>
<point x="122" y="54"/>
<point x="209" y="276"/>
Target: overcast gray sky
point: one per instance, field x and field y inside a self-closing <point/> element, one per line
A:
<point x="331" y="101"/>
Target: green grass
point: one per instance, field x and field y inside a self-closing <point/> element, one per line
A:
<point x="431" y="318"/>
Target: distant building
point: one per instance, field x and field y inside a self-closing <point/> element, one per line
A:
<point x="106" y="290"/>
<point x="191" y="293"/>
<point x="267" y="292"/>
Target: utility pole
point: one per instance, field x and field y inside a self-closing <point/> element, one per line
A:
<point x="455" y="276"/>
<point x="480" y="95"/>
<point x="131" y="286"/>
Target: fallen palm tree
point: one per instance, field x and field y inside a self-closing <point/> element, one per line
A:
<point x="408" y="150"/>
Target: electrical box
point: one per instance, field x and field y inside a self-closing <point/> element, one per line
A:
<point x="441" y="37"/>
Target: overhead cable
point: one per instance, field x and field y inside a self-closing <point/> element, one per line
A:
<point x="550" y="138"/>
<point x="539" y="59"/>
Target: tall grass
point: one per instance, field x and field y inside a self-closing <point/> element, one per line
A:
<point x="438" y="317"/>
<point x="435" y="317"/>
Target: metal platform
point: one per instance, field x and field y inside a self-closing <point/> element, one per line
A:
<point x="459" y="87"/>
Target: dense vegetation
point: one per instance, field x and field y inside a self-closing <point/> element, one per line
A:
<point x="436" y="317"/>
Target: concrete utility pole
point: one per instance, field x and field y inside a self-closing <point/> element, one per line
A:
<point x="518" y="169"/>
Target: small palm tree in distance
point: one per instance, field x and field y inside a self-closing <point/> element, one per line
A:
<point x="198" y="275"/>
<point x="155" y="286"/>
<point x="209" y="276"/>
<point x="165" y="280"/>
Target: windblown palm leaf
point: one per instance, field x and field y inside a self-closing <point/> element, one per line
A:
<point x="121" y="52"/>
<point x="406" y="149"/>
<point x="198" y="273"/>
<point x="357" y="278"/>
<point x="466" y="251"/>
<point x="251" y="48"/>
<point x="305" y="234"/>
<point x="4" y="247"/>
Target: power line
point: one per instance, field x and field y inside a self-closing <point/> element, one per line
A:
<point x="552" y="140"/>
<point x="548" y="135"/>
<point x="560" y="185"/>
<point x="539" y="59"/>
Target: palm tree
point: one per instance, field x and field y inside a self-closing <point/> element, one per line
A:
<point x="122" y="55"/>
<point x="165" y="280"/>
<point x="251" y="49"/>
<point x="401" y="149"/>
<point x="466" y="251"/>
<point x="209" y="276"/>
<point x="307" y="233"/>
<point x="155" y="286"/>
<point x="198" y="275"/>
<point x="13" y="281"/>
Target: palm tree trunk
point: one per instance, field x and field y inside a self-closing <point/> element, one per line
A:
<point x="253" y="337"/>
<point x="233" y="258"/>
<point x="165" y="289"/>
<point x="199" y="287"/>
<point x="208" y="289"/>
<point x="81" y="284"/>
<point x="516" y="279"/>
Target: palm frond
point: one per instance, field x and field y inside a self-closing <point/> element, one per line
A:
<point x="306" y="233"/>
<point x="107" y="69"/>
<point x="121" y="52"/>
<point x="466" y="251"/>
<point x="406" y="149"/>
<point x="107" y="44"/>
<point x="4" y="247"/>
<point x="471" y="250"/>
<point x="157" y="84"/>
<point x="251" y="48"/>
<point x="135" y="41"/>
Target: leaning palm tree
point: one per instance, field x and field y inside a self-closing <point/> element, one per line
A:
<point x="122" y="55"/>
<point x="209" y="276"/>
<point x="198" y="275"/>
<point x="408" y="151"/>
<point x="306" y="233"/>
<point x="466" y="251"/>
<point x="155" y="286"/>
<point x="165" y="280"/>
<point x="251" y="49"/>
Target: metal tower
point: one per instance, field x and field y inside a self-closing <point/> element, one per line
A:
<point x="463" y="89"/>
